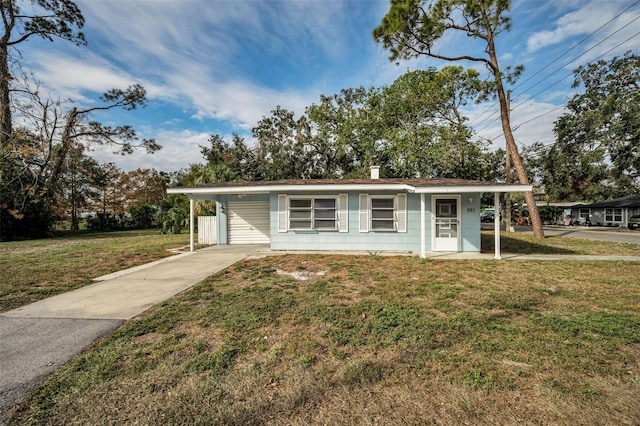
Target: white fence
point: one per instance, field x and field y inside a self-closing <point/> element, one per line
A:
<point x="207" y="230"/>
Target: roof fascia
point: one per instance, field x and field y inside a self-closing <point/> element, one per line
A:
<point x="472" y="188"/>
<point x="265" y="189"/>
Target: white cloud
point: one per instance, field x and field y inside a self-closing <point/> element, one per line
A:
<point x="69" y="76"/>
<point x="179" y="149"/>
<point x="194" y="53"/>
<point x="244" y="104"/>
<point x="584" y="21"/>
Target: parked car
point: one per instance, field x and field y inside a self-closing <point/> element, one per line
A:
<point x="487" y="215"/>
<point x="634" y="222"/>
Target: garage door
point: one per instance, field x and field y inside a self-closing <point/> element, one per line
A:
<point x="248" y="222"/>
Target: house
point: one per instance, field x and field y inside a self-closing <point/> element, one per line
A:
<point x="614" y="212"/>
<point x="391" y="215"/>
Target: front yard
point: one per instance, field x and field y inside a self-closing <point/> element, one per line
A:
<point x="327" y="339"/>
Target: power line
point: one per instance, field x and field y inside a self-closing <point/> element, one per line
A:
<point x="559" y="69"/>
<point x="620" y="127"/>
<point x="516" y="127"/>
<point x="574" y="46"/>
<point x="488" y="124"/>
<point x="485" y="111"/>
<point x="569" y="75"/>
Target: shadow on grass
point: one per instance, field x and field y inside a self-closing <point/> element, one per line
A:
<point x="520" y="245"/>
<point x="91" y="234"/>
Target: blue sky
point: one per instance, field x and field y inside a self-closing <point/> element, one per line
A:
<point x="219" y="66"/>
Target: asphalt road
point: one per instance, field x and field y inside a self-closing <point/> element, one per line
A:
<point x="44" y="346"/>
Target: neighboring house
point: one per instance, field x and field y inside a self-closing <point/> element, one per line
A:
<point x="399" y="215"/>
<point x="614" y="212"/>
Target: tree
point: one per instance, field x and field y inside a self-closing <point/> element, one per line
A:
<point x="37" y="154"/>
<point x="109" y="199"/>
<point x="412" y="128"/>
<point x="228" y="161"/>
<point x="601" y="131"/>
<point x="425" y="128"/>
<point x="596" y="154"/>
<point x="352" y="128"/>
<point x="141" y="187"/>
<point x="411" y="28"/>
<point x="568" y="173"/>
<point x="48" y="19"/>
<point x="397" y="127"/>
<point x="281" y="146"/>
<point x="77" y="188"/>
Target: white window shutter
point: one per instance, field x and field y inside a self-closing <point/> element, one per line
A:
<point x="364" y="212"/>
<point x="282" y="213"/>
<point x="343" y="212"/>
<point x="401" y="212"/>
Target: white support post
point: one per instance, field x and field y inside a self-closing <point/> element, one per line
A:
<point x="423" y="233"/>
<point x="496" y="225"/>
<point x="191" y="225"/>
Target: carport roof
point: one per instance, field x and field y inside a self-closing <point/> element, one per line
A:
<point x="432" y="186"/>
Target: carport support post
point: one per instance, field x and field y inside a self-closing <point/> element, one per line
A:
<point x="191" y="225"/>
<point x="423" y="235"/>
<point x="496" y="224"/>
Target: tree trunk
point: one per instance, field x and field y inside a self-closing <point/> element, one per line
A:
<point x="516" y="161"/>
<point x="6" y="127"/>
<point x="534" y="214"/>
<point x="65" y="145"/>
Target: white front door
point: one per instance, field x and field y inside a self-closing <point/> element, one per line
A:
<point x="446" y="223"/>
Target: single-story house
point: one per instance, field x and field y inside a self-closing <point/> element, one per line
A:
<point x="614" y="212"/>
<point x="390" y="215"/>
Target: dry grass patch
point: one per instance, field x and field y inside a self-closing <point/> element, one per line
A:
<point x="374" y="340"/>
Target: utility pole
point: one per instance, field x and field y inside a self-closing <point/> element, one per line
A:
<point x="508" y="179"/>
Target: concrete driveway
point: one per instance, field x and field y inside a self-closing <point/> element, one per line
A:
<point x="37" y="339"/>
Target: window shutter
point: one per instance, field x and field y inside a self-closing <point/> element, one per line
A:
<point x="282" y="213"/>
<point x="401" y="212"/>
<point x="343" y="212"/>
<point x="364" y="212"/>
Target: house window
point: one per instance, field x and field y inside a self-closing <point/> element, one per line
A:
<point x="313" y="214"/>
<point x="307" y="213"/>
<point x="383" y="213"/>
<point x="613" y="215"/>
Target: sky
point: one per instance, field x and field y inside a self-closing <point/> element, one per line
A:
<point x="218" y="67"/>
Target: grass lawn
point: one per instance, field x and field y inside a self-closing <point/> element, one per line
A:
<point x="369" y="340"/>
<point x="34" y="270"/>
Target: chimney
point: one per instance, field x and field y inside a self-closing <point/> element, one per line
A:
<point x="375" y="172"/>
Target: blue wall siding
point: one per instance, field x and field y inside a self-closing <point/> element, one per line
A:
<point x="470" y="222"/>
<point x="354" y="240"/>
